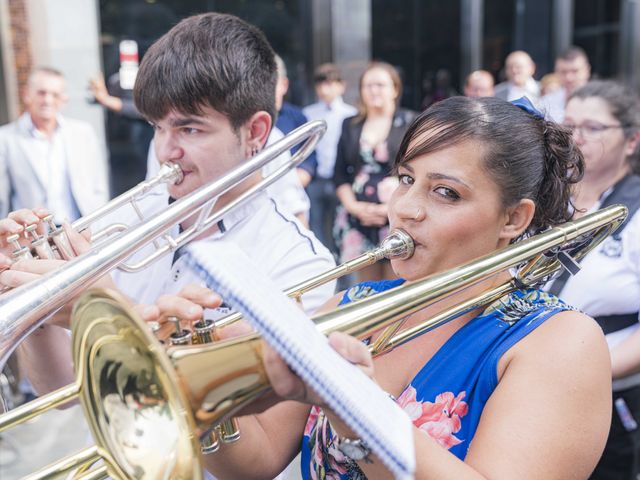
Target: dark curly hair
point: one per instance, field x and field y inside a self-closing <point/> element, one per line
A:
<point x="527" y="156"/>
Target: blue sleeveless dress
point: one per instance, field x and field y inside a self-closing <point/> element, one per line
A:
<point x="446" y="398"/>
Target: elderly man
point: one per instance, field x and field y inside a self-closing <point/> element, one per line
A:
<point x="479" y="84"/>
<point x="519" y="68"/>
<point x="573" y="70"/>
<point x="47" y="160"/>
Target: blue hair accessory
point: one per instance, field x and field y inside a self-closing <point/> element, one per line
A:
<point x="525" y="104"/>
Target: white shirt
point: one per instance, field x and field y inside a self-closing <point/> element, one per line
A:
<point x="281" y="247"/>
<point x="553" y="105"/>
<point x="609" y="284"/>
<point x="287" y="191"/>
<point x="51" y="159"/>
<point x="334" y="114"/>
<point x="510" y="92"/>
<point x="278" y="244"/>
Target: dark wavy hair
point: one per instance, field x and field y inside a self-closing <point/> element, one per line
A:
<point x="214" y="60"/>
<point x="527" y="156"/>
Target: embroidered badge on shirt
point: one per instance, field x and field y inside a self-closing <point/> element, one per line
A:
<point x="612" y="247"/>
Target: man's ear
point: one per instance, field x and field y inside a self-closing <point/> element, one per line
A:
<point x="257" y="130"/>
<point x="632" y="145"/>
<point x="518" y="218"/>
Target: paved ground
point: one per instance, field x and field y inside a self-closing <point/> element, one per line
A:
<point x="53" y="435"/>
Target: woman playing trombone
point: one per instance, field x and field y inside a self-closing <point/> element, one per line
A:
<point x="516" y="389"/>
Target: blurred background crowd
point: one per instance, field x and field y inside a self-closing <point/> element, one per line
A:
<point x="426" y="51"/>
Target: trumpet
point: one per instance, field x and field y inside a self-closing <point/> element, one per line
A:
<point x="55" y="239"/>
<point x="134" y="392"/>
<point x="25" y="308"/>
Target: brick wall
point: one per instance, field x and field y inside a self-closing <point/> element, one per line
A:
<point x="21" y="42"/>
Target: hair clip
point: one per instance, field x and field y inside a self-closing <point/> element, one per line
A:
<point x="525" y="104"/>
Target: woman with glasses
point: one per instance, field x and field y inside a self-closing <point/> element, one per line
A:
<point x="605" y="119"/>
<point x="368" y="144"/>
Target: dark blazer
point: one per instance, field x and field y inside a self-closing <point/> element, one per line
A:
<point x="348" y="159"/>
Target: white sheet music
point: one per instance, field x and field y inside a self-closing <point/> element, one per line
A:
<point x="361" y="404"/>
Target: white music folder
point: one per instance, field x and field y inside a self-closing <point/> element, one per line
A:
<point x="359" y="401"/>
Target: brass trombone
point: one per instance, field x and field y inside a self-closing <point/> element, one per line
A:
<point x="25" y="308"/>
<point x="133" y="392"/>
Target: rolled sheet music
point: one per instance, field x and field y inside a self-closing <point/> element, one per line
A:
<point x="359" y="402"/>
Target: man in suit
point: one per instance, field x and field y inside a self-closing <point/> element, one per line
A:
<point x="50" y="161"/>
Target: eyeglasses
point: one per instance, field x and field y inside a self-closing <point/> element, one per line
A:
<point x="592" y="129"/>
<point x="380" y="85"/>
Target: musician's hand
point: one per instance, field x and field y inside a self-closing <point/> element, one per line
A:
<point x="188" y="305"/>
<point x="5" y="262"/>
<point x="288" y="385"/>
<point x="26" y="271"/>
<point x="235" y="329"/>
<point x="79" y="242"/>
<point x="15" y="223"/>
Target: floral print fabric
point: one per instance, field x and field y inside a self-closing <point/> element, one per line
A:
<point x="372" y="184"/>
<point x="446" y="398"/>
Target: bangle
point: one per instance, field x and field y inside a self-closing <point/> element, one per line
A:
<point x="355" y="449"/>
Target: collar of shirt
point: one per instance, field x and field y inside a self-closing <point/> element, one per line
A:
<point x="29" y="126"/>
<point x="337" y="104"/>
<point x="238" y="214"/>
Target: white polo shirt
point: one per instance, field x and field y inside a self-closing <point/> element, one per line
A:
<point x="287" y="191"/>
<point x="277" y="243"/>
<point x="280" y="246"/>
<point x="609" y="284"/>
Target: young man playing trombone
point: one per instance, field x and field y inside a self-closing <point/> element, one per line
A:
<point x="207" y="87"/>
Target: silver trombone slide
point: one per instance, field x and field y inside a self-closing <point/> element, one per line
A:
<point x="25" y="308"/>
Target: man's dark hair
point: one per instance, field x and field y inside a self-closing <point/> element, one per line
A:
<point x="327" y="72"/>
<point x="572" y="53"/>
<point x="210" y="60"/>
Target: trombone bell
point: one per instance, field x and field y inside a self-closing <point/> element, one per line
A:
<point x="130" y="392"/>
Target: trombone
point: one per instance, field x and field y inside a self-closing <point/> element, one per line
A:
<point x="398" y="244"/>
<point x="133" y="392"/>
<point x="25" y="308"/>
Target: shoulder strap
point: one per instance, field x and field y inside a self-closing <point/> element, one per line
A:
<point x="625" y="192"/>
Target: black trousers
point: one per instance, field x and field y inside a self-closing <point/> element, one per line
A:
<point x="621" y="457"/>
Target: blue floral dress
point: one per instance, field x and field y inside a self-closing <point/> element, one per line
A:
<point x="446" y="398"/>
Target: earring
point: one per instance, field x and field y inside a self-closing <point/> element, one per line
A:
<point x="254" y="151"/>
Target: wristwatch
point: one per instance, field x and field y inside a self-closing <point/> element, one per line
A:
<point x="355" y="449"/>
